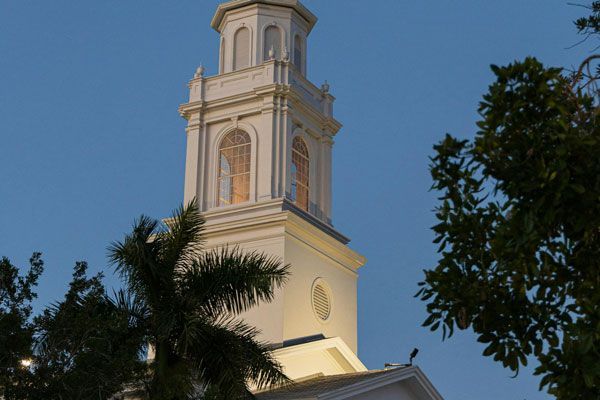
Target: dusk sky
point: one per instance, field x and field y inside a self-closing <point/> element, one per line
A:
<point x="91" y="138"/>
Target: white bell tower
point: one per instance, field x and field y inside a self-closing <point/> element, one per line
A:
<point x="259" y="153"/>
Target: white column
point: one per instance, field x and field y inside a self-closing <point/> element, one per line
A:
<point x="192" y="163"/>
<point x="285" y="133"/>
<point x="193" y="186"/>
<point x="327" y="178"/>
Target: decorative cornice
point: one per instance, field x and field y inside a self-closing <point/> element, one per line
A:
<point x="271" y="219"/>
<point x="327" y="124"/>
<point x="224" y="8"/>
<point x="187" y="109"/>
<point x="289" y="206"/>
<point x="325" y="344"/>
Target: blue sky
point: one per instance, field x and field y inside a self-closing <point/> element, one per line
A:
<point x="90" y="138"/>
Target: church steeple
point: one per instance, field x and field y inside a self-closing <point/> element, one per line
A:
<point x="259" y="145"/>
<point x="259" y="153"/>
<point x="259" y="130"/>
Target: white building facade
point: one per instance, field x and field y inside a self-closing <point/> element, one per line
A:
<point x="259" y="158"/>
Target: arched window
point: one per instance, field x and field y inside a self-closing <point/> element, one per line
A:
<point x="300" y="173"/>
<point x="272" y="41"/>
<point x="234" y="168"/>
<point x="241" y="49"/>
<point x="298" y="53"/>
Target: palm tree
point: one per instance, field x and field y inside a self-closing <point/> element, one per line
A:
<point x="186" y="299"/>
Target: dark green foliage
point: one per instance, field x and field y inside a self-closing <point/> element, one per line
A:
<point x="180" y="300"/>
<point x="190" y="298"/>
<point x="590" y="25"/>
<point x="16" y="330"/>
<point x="86" y="346"/>
<point x="588" y="74"/>
<point x="519" y="229"/>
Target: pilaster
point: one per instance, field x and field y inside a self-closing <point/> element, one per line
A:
<point x="327" y="179"/>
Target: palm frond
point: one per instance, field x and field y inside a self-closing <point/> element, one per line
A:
<point x="131" y="306"/>
<point x="182" y="293"/>
<point x="182" y="242"/>
<point x="227" y="355"/>
<point x="230" y="280"/>
<point x="136" y="259"/>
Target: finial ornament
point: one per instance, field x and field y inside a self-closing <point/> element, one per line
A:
<point x="272" y="53"/>
<point x="325" y="87"/>
<point x="199" y="72"/>
<point x="286" y="54"/>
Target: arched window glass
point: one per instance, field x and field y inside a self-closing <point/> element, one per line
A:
<point x="234" y="168"/>
<point x="241" y="56"/>
<point x="272" y="41"/>
<point x="298" y="53"/>
<point x="300" y="173"/>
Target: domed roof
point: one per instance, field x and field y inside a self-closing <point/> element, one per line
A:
<point x="223" y="8"/>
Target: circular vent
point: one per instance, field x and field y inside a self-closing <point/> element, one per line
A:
<point x="321" y="300"/>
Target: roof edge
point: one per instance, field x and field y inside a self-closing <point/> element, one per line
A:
<point x="224" y="8"/>
<point x="395" y="375"/>
<point x="351" y="385"/>
<point x="324" y="344"/>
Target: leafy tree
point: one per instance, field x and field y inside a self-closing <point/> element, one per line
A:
<point x="590" y="25"/>
<point x="519" y="229"/>
<point x="86" y="345"/>
<point x="16" y="329"/>
<point x="191" y="297"/>
<point x="588" y="73"/>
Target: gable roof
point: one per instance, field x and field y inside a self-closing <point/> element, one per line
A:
<point x="346" y="386"/>
<point x="313" y="388"/>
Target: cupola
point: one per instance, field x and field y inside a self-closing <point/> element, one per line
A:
<point x="255" y="31"/>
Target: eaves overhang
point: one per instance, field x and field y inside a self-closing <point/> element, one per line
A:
<point x="355" y="386"/>
<point x="419" y="382"/>
<point x="224" y="8"/>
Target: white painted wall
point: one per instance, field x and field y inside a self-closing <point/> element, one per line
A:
<point x="308" y="264"/>
<point x="311" y="254"/>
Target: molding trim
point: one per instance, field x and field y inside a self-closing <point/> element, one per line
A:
<point x="412" y="374"/>
<point x="224" y="8"/>
<point x="262" y="217"/>
<point x="323" y="345"/>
